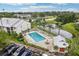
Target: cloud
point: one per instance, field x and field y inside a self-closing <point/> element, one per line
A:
<point x="42" y="7"/>
<point x="15" y="4"/>
<point x="61" y="3"/>
<point x="37" y="8"/>
<point x="71" y="9"/>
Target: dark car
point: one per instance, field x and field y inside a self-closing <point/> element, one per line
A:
<point x="8" y="51"/>
<point x="8" y="47"/>
<point x="27" y="52"/>
<point x="13" y="49"/>
<point x="16" y="53"/>
<point x="21" y="51"/>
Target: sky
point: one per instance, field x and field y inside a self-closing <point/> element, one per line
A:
<point x="38" y="7"/>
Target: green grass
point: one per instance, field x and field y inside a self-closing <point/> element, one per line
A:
<point x="73" y="46"/>
<point x="6" y="39"/>
<point x="70" y="27"/>
<point x="51" y="22"/>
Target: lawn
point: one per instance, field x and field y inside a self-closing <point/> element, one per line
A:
<point x="6" y="39"/>
<point x="51" y="21"/>
<point x="70" y="27"/>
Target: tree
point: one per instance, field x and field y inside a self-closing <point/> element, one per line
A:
<point x="66" y="18"/>
<point x="77" y="27"/>
<point x="43" y="22"/>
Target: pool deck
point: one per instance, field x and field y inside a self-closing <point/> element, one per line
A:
<point x="46" y="43"/>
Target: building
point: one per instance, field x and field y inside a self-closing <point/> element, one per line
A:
<point x="23" y="15"/>
<point x="60" y="43"/>
<point x="53" y="29"/>
<point x="53" y="26"/>
<point x="63" y="33"/>
<point x="14" y="24"/>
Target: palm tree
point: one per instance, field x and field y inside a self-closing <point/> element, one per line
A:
<point x="3" y="11"/>
<point x="43" y="22"/>
<point x="38" y="21"/>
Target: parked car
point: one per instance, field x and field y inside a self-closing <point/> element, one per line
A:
<point x="22" y="51"/>
<point x="27" y="52"/>
<point x="6" y="50"/>
<point x="16" y="50"/>
<point x="8" y="47"/>
<point x="16" y="53"/>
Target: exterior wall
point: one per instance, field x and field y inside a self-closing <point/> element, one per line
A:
<point x="5" y="29"/>
<point x="23" y="27"/>
<point x="19" y="26"/>
<point x="18" y="30"/>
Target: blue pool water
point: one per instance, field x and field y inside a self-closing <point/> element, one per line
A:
<point x="35" y="36"/>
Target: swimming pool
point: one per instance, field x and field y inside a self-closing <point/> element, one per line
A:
<point x="36" y="36"/>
